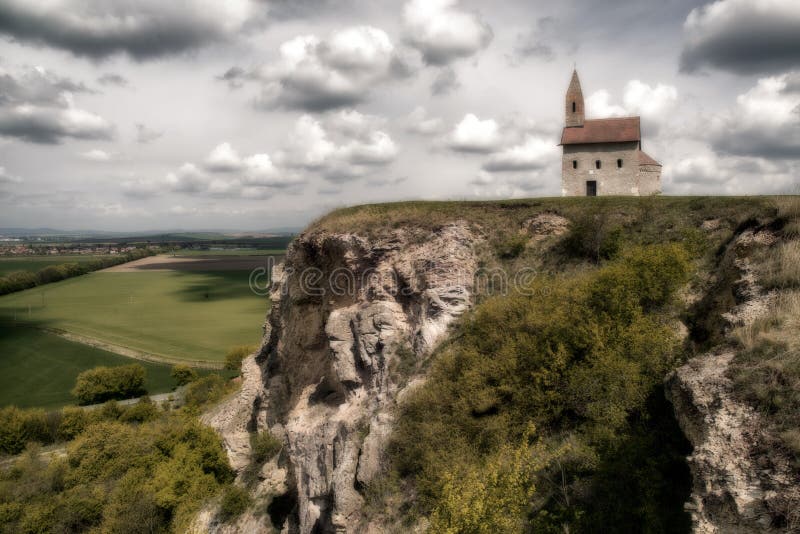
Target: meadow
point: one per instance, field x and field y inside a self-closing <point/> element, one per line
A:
<point x="38" y="369"/>
<point x="178" y="315"/>
<point x="35" y="263"/>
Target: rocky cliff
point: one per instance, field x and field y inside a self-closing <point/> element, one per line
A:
<point x="352" y="321"/>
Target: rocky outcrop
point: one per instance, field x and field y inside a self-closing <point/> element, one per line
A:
<point x="352" y="319"/>
<point x="736" y="489"/>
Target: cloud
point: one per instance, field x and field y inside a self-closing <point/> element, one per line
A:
<point x="706" y="172"/>
<point x="36" y="85"/>
<point x="475" y="135"/>
<point x="443" y="32"/>
<point x="313" y="74"/>
<point x="743" y="36"/>
<point x="142" y="29"/>
<point x="418" y="122"/>
<point x="654" y="104"/>
<point x="537" y="43"/>
<point x="237" y="76"/>
<point x="142" y="189"/>
<point x="37" y="106"/>
<point x="8" y="178"/>
<point x="445" y="82"/>
<point x="96" y="155"/>
<point x="145" y="135"/>
<point x="50" y="125"/>
<point x="188" y="179"/>
<point x="349" y="146"/>
<point x="111" y="79"/>
<point x="223" y="158"/>
<point x="532" y="154"/>
<point x="764" y="122"/>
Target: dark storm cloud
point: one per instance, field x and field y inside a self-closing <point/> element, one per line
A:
<point x="112" y="79"/>
<point x="743" y="36"/>
<point x="305" y="9"/>
<point x="142" y="29"/>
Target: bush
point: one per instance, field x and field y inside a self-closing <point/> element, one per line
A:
<point x="233" y="360"/>
<point x="593" y="236"/>
<point x="144" y="410"/>
<point x="105" y="383"/>
<point x="183" y="374"/>
<point x="235" y="501"/>
<point x="20" y="427"/>
<point x="205" y="390"/>
<point x="264" y="446"/>
<point x="511" y="247"/>
<point x="73" y="422"/>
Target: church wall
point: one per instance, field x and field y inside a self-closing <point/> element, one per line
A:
<point x="649" y="179"/>
<point x="610" y="179"/>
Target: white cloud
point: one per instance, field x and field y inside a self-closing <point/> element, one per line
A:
<point x="188" y="179"/>
<point x="443" y="32"/>
<point x="315" y="74"/>
<point x="533" y="153"/>
<point x="475" y="135"/>
<point x="419" y="122"/>
<point x="96" y="155"/>
<point x="653" y="103"/>
<point x="598" y="105"/>
<point x="223" y="158"/>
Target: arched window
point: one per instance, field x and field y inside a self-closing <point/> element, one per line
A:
<point x="573" y="107"/>
<point x="597" y="164"/>
<point x="574" y="163"/>
<point x="619" y="163"/>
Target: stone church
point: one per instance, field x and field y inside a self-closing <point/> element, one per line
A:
<point x="604" y="156"/>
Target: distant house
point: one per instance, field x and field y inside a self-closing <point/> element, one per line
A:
<point x="604" y="156"/>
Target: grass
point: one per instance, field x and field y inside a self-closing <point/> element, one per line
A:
<point x="782" y="266"/>
<point x="35" y="263"/>
<point x="38" y="369"/>
<point x="179" y="315"/>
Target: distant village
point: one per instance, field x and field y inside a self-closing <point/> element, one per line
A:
<point x="16" y="247"/>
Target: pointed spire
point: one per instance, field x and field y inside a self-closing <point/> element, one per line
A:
<point x="574" y="102"/>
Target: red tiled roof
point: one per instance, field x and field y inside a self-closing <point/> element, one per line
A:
<point x="645" y="159"/>
<point x="616" y="130"/>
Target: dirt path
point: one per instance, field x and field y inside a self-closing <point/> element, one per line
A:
<point x="132" y="353"/>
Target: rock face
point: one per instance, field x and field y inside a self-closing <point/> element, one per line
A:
<point x="736" y="489"/>
<point x="351" y="320"/>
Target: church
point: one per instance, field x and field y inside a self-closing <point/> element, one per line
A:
<point x="604" y="156"/>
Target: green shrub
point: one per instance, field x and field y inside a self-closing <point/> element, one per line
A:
<point x="183" y="374"/>
<point x="73" y="421"/>
<point x="144" y="410"/>
<point x="511" y="247"/>
<point x="105" y="383"/>
<point x="593" y="236"/>
<point x="235" y="501"/>
<point x="234" y="357"/>
<point x="264" y="447"/>
<point x="205" y="390"/>
<point x="20" y="427"/>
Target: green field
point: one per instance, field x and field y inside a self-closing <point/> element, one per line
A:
<point x="229" y="252"/>
<point x="35" y="263"/>
<point x="186" y="315"/>
<point x="39" y="369"/>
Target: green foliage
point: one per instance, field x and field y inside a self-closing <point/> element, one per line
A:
<point x="234" y="502"/>
<point x="183" y="374"/>
<point x="19" y="427"/>
<point x="264" y="446"/>
<point x="144" y="410"/>
<point x="150" y="477"/>
<point x="73" y="422"/>
<point x="104" y="383"/>
<point x="593" y="235"/>
<point x="234" y="357"/>
<point x="206" y="390"/>
<point x="511" y="247"/>
<point x="576" y="356"/>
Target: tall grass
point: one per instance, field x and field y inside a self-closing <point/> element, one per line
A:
<point x="782" y="266"/>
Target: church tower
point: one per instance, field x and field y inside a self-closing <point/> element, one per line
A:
<point x="574" y="102"/>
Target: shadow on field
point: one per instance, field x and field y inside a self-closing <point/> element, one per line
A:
<point x="219" y="285"/>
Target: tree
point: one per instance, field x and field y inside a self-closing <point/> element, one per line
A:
<point x="183" y="374"/>
<point x="105" y="383"/>
<point x="233" y="360"/>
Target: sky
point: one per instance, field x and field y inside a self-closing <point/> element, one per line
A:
<point x="133" y="115"/>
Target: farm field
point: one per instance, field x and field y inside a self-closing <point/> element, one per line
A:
<point x="35" y="263"/>
<point x="229" y="252"/>
<point x="185" y="315"/>
<point x="38" y="369"/>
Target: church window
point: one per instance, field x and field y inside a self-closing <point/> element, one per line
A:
<point x="619" y="163"/>
<point x="597" y="164"/>
<point x="573" y="107"/>
<point x="574" y="163"/>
